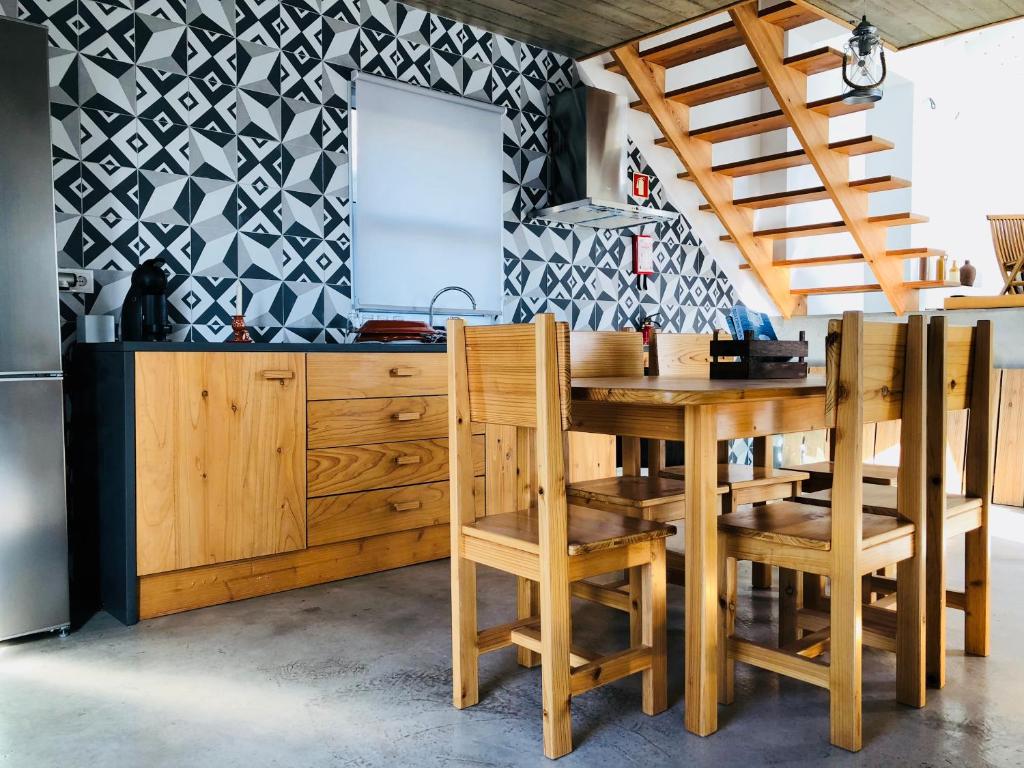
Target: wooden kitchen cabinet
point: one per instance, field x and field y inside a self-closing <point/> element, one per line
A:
<point x="220" y="457"/>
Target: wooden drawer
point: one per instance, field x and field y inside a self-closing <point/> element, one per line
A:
<point x="342" y="376"/>
<point x="334" y="423"/>
<point x="372" y="513"/>
<point x="384" y="465"/>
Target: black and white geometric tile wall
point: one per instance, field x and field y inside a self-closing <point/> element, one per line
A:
<point x="214" y="134"/>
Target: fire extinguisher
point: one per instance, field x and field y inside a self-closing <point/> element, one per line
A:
<point x="647" y="325"/>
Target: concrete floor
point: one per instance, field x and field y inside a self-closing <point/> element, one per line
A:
<point x="357" y="673"/>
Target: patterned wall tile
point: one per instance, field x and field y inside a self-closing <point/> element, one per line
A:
<point x="214" y="134"/>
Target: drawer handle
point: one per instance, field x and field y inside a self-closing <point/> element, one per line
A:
<point x="402" y="373"/>
<point x="402" y="460"/>
<point x="409" y="416"/>
<point x="278" y="375"/>
<point x="406" y="506"/>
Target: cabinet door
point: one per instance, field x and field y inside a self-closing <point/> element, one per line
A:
<point x="220" y="457"/>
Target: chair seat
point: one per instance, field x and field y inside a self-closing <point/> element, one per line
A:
<point x="881" y="500"/>
<point x="590" y="530"/>
<point x="738" y="476"/>
<point x="876" y="474"/>
<point x="806" y="525"/>
<point x="637" y="492"/>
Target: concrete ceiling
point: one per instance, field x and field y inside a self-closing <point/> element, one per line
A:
<point x="580" y="28"/>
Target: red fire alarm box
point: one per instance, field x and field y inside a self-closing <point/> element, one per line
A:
<point x="643" y="259"/>
<point x="641" y="186"/>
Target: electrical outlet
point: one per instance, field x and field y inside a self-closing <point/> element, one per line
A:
<point x="76" y="280"/>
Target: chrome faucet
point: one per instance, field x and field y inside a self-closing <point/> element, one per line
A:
<point x="439" y="294"/>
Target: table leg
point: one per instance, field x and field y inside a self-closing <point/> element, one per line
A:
<point x="701" y="461"/>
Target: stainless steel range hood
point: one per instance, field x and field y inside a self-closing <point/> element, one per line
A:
<point x="587" y="180"/>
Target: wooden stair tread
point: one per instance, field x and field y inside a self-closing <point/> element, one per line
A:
<point x="816" y="61"/>
<point x="789" y="15"/>
<point x="775" y="120"/>
<point x="878" y="474"/>
<point x="707" y="42"/>
<point x="834" y="106"/>
<point x="806" y="525"/>
<point x="752" y="79"/>
<point x="853" y="258"/>
<point x="882" y="500"/>
<point x="795" y="157"/>
<point x="590" y="530"/>
<point x="861" y="145"/>
<point x="871" y="288"/>
<point x="813" y="194"/>
<point x="723" y="87"/>
<point x="736" y="476"/>
<point x="640" y="492"/>
<point x="833" y="227"/>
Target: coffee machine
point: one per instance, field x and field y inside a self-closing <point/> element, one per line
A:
<point x="144" y="312"/>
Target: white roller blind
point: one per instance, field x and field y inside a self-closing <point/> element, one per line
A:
<point x="426" y="190"/>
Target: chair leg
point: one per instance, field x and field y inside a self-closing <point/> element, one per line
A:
<point x="556" y="637"/>
<point x="760" y="576"/>
<point x="527" y="605"/>
<point x="935" y="601"/>
<point x="465" y="658"/>
<point x="910" y="631"/>
<point x="791" y="600"/>
<point x="845" y="662"/>
<point x="654" y="630"/>
<point x="637" y="606"/>
<point x="726" y="620"/>
<point x="977" y="577"/>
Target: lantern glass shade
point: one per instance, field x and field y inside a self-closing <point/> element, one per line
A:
<point x="864" y="67"/>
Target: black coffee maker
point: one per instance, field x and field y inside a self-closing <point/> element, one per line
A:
<point x="144" y="312"/>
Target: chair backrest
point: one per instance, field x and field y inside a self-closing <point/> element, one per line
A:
<point x="874" y="372"/>
<point x="960" y="377"/>
<point x="502" y="363"/>
<point x="596" y="354"/>
<point x="513" y="375"/>
<point x="681" y="354"/>
<point x="1008" y="241"/>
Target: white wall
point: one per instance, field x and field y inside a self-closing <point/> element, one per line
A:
<point x="968" y="158"/>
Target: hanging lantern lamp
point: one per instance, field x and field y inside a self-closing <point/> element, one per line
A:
<point x="864" y="65"/>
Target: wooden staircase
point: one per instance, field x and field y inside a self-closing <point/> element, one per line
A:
<point x="763" y="34"/>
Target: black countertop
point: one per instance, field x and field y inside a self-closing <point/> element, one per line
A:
<point x="217" y="346"/>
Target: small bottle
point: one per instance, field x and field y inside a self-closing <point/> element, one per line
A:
<point x="953" y="275"/>
<point x="940" y="268"/>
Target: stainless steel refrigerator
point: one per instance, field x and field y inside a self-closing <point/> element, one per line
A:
<point x="33" y="512"/>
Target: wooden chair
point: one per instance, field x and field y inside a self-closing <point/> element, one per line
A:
<point x="596" y="354"/>
<point x="518" y="375"/>
<point x="1008" y="240"/>
<point x="689" y="354"/>
<point x="876" y="372"/>
<point x="960" y="377"/>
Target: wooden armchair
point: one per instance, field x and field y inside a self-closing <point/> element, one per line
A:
<point x="518" y="375"/>
<point x="875" y="372"/>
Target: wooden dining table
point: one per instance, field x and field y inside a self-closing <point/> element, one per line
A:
<point x="699" y="413"/>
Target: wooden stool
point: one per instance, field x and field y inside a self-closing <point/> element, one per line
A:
<point x="876" y="372"/>
<point x="519" y="376"/>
